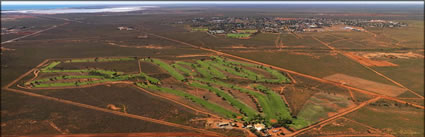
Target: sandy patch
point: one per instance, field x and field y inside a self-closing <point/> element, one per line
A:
<point x="7" y="49"/>
<point x="14" y="17"/>
<point x="407" y="55"/>
<point x="238" y="47"/>
<point x="368" y="62"/>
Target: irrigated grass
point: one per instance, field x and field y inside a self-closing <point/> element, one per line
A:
<point x="208" y="105"/>
<point x="244" y="109"/>
<point x="169" y="69"/>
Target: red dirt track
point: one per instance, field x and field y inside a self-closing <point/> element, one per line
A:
<point x="151" y="134"/>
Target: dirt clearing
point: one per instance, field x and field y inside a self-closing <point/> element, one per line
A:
<point x="407" y="55"/>
<point x="367" y="61"/>
<point x="376" y="87"/>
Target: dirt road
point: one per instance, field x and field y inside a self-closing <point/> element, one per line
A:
<point x="352" y="96"/>
<point x="276" y="42"/>
<point x="37" y="32"/>
<point x="148" y="134"/>
<point x="58" y="18"/>
<point x="359" y="135"/>
<point x="140" y="66"/>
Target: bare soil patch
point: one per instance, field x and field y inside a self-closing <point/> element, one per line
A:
<point x="14" y="17"/>
<point x="238" y="47"/>
<point x="407" y="55"/>
<point x="368" y="62"/>
<point x="380" y="88"/>
<point x="7" y="49"/>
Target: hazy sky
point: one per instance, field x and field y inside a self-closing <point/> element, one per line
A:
<point x="200" y="2"/>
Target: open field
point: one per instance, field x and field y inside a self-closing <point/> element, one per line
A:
<point x="322" y="105"/>
<point x="121" y="66"/>
<point x="411" y="37"/>
<point x="409" y="72"/>
<point x="25" y="115"/>
<point x="300" y="63"/>
<point x="32" y="23"/>
<point x="380" y="88"/>
<point x="405" y="121"/>
<point x="341" y="126"/>
<point x="136" y="102"/>
<point x="307" y="42"/>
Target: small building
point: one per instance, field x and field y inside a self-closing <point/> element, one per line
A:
<point x="312" y="26"/>
<point x="216" y="31"/>
<point x="222" y="124"/>
<point x="248" y="126"/>
<point x="259" y="126"/>
<point x="350" y="28"/>
<point x="124" y="28"/>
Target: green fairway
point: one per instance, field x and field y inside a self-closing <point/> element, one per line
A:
<point x="232" y="35"/>
<point x="207" y="68"/>
<point x="168" y="68"/>
<point x="200" y="29"/>
<point x="209" y="105"/>
<point x="244" y="109"/>
<point x="51" y="65"/>
<point x="249" y="31"/>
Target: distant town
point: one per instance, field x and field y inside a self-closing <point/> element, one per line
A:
<point x="237" y="25"/>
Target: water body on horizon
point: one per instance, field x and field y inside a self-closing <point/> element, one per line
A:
<point x="36" y="7"/>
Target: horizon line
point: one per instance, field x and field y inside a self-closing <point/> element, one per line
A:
<point x="200" y="2"/>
